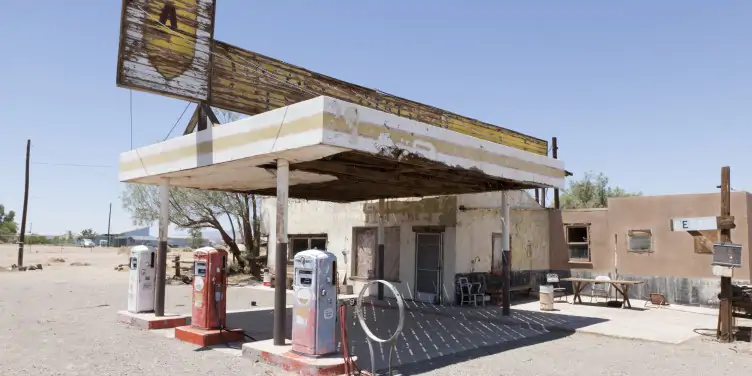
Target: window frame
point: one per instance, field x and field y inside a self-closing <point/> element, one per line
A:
<point x="635" y="232"/>
<point x="309" y="238"/>
<point x="569" y="244"/>
<point x="353" y="254"/>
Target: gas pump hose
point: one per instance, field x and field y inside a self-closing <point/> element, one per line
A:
<point x="223" y="328"/>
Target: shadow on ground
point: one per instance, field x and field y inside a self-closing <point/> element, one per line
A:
<point x="433" y="336"/>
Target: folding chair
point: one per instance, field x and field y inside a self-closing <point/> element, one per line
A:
<point x="602" y="289"/>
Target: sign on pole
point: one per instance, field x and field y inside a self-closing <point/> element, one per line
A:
<point x="694" y="224"/>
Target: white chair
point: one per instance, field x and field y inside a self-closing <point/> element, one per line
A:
<point x="602" y="289"/>
<point x="466" y="291"/>
<point x="553" y="279"/>
<point x="479" y="293"/>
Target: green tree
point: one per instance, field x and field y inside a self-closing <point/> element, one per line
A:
<point x="197" y="238"/>
<point x="8" y="225"/>
<point x="592" y="191"/>
<point x="88" y="233"/>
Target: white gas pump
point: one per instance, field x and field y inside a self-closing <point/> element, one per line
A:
<point x="141" y="279"/>
<point x="314" y="322"/>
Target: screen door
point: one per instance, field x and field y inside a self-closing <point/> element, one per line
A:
<point x="428" y="267"/>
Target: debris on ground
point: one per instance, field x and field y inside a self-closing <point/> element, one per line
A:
<point x="121" y="267"/>
<point x="77" y="263"/>
<point x="56" y="260"/>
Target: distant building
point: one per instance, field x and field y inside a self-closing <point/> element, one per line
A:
<point x="141" y="236"/>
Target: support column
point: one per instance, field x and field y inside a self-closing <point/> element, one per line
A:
<point x="505" y="269"/>
<point x="280" y="259"/>
<point x="164" y="224"/>
<point x="380" y="251"/>
<point x="555" y="149"/>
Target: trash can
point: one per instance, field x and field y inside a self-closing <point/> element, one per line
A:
<point x="546" y="295"/>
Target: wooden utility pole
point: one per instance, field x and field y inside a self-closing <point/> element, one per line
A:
<point x="22" y="235"/>
<point x="555" y="150"/>
<point x="725" y="224"/>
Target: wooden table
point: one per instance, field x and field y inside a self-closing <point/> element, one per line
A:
<point x="622" y="287"/>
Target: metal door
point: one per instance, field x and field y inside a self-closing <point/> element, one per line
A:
<point x="428" y="263"/>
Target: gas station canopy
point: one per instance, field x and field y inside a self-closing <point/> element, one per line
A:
<point x="341" y="152"/>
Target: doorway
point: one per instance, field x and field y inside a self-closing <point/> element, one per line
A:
<point x="428" y="267"/>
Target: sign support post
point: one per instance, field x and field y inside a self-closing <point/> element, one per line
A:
<point x="725" y="330"/>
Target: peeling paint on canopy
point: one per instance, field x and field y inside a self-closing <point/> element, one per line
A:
<point x="339" y="151"/>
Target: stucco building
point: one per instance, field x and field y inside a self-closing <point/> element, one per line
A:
<point x="429" y="242"/>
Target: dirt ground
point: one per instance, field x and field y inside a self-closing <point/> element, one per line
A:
<point x="62" y="321"/>
<point x="97" y="257"/>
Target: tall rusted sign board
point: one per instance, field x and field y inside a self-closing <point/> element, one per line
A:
<point x="165" y="47"/>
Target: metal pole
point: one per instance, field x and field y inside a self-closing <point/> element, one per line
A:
<point x="164" y="223"/>
<point x="507" y="280"/>
<point x="22" y="235"/>
<point x="380" y="250"/>
<point x="555" y="150"/>
<point x="109" y="221"/>
<point x="280" y="260"/>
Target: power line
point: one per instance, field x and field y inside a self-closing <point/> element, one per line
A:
<point x="71" y="165"/>
<point x="176" y="123"/>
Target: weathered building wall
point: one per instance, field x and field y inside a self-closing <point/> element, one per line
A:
<point x="601" y="247"/>
<point x="479" y="218"/>
<point x="338" y="221"/>
<point x="678" y="264"/>
<point x="469" y="220"/>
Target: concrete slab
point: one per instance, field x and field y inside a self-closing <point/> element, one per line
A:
<point x="432" y="336"/>
<point x="149" y="321"/>
<point x="672" y="324"/>
<point x="204" y="338"/>
<point x="283" y="357"/>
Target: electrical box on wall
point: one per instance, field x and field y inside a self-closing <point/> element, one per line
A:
<point x="727" y="254"/>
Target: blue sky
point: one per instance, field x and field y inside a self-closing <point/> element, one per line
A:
<point x="650" y="94"/>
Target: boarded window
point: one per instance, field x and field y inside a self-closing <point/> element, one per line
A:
<point x="305" y="242"/>
<point x="365" y="250"/>
<point x="578" y="242"/>
<point x="366" y="246"/>
<point x="640" y="241"/>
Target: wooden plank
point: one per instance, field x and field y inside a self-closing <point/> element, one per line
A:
<point x="593" y="280"/>
<point x="165" y="47"/>
<point x="251" y="83"/>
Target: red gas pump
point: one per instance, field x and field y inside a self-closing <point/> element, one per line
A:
<point x="209" y="288"/>
<point x="209" y="308"/>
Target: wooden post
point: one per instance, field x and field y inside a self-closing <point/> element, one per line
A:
<point x="537" y="195"/>
<point x="177" y="266"/>
<point x="725" y="312"/>
<point x="555" y="150"/>
<point x="22" y="235"/>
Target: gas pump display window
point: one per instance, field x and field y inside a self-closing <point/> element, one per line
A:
<point x="200" y="269"/>
<point x="134" y="263"/>
<point x="305" y="277"/>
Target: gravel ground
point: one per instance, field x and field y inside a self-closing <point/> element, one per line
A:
<point x="61" y="321"/>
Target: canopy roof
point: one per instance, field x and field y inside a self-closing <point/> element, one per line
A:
<point x="341" y="152"/>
